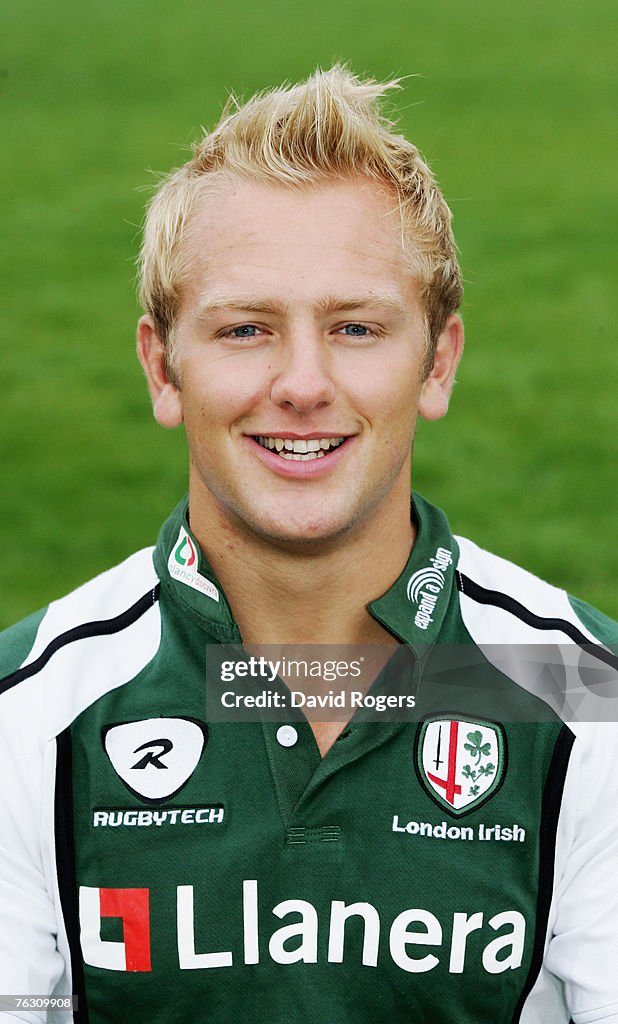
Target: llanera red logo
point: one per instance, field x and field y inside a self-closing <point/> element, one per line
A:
<point x="132" y="906"/>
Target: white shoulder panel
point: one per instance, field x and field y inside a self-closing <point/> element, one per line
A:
<point x="104" y="597"/>
<point x="497" y="626"/>
<point x="546" y="662"/>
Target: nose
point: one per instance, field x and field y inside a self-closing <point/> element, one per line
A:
<point x="303" y="380"/>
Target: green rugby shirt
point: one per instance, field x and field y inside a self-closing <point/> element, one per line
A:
<point x="458" y="867"/>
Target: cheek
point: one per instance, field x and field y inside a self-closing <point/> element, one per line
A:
<point x="395" y="423"/>
<point x="220" y="399"/>
<point x="394" y="400"/>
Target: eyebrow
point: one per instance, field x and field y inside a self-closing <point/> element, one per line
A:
<point x="324" y="306"/>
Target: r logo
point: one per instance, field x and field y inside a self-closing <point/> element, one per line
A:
<point x="151" y="757"/>
<point x="170" y="747"/>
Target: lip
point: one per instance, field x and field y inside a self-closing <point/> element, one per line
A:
<point x="290" y="435"/>
<point x="306" y="470"/>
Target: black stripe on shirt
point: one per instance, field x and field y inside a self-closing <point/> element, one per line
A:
<point x="65" y="865"/>
<point x="100" y="627"/>
<point x="494" y="597"/>
<point x="550" y="812"/>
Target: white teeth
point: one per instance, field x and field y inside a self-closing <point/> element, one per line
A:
<point x="297" y="457"/>
<point x="300" y="450"/>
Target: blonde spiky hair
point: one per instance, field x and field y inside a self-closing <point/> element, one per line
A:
<point x="330" y="126"/>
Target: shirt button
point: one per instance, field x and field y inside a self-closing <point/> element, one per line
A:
<point x="287" y="736"/>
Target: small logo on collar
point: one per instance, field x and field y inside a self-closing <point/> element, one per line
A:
<point x="182" y="566"/>
<point x="425" y="585"/>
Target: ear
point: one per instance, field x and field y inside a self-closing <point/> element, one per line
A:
<point x="166" y="402"/>
<point x="436" y="389"/>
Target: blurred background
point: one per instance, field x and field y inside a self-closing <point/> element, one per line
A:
<point x="515" y="108"/>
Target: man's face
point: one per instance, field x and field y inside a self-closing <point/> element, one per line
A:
<point x="298" y="353"/>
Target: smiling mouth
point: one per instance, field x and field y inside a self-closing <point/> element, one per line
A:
<point x="298" y="450"/>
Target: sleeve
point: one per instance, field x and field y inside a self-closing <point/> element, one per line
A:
<point x="30" y="962"/>
<point x="583" y="944"/>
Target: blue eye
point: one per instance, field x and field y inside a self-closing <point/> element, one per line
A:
<point x="355" y="330"/>
<point x="246" y="331"/>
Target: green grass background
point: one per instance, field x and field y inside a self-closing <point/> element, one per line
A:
<point x="514" y="105"/>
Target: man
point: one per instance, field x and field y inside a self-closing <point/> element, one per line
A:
<point x="300" y="288"/>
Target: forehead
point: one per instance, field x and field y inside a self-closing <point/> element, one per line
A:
<point x="295" y="243"/>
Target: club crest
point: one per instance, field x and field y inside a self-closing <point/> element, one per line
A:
<point x="460" y="763"/>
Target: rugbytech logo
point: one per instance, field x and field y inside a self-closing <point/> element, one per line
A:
<point x="182" y="566"/>
<point x="425" y="586"/>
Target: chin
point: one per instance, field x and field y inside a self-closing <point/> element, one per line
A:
<point x="303" y="533"/>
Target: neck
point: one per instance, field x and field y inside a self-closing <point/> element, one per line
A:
<point x="308" y="591"/>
